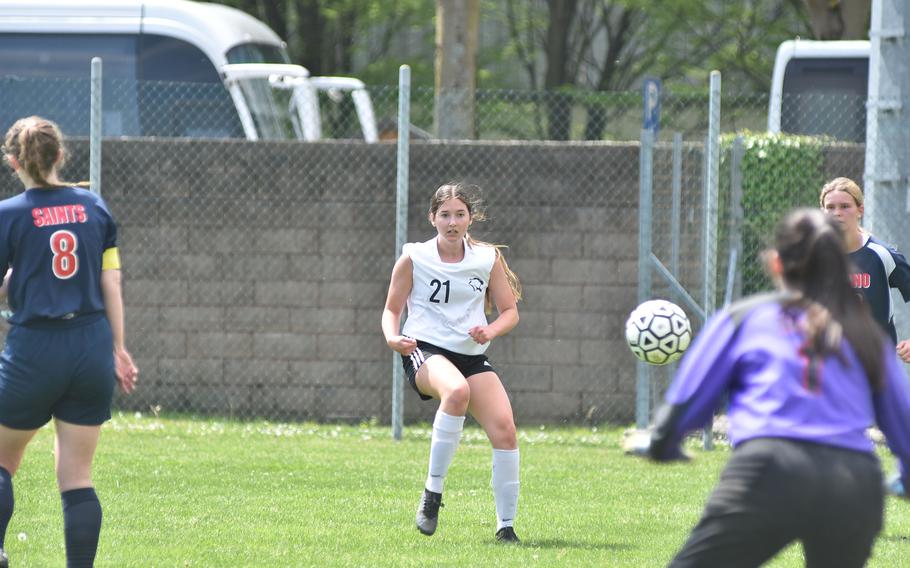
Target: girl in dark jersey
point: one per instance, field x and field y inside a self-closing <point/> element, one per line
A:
<point x="876" y="266"/>
<point x="65" y="348"/>
<point x="806" y="370"/>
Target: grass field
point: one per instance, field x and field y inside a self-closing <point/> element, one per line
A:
<point x="194" y="492"/>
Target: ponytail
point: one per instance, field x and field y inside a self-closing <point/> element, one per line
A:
<point x="511" y="277"/>
<point x="37" y="144"/>
<point x="812" y="253"/>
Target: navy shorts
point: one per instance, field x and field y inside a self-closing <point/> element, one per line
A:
<point x="60" y="369"/>
<point x="467" y="365"/>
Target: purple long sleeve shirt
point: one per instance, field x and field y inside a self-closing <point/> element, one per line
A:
<point x="775" y="391"/>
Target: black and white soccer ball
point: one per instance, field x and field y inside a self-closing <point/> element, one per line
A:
<point x="658" y="332"/>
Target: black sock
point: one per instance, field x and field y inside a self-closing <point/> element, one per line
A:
<point x="81" y="526"/>
<point x="6" y="502"/>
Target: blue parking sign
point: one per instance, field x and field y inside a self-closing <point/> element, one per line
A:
<point x="651" y="97"/>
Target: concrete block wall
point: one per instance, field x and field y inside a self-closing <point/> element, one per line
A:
<point x="255" y="273"/>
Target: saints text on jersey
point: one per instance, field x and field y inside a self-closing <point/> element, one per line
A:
<point x="59" y="215"/>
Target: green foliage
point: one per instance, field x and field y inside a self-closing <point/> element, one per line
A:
<point x="779" y="172"/>
<point x="677" y="40"/>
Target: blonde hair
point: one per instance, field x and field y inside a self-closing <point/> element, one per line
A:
<point x="846" y="185"/>
<point x="36" y="143"/>
<point x="470" y="195"/>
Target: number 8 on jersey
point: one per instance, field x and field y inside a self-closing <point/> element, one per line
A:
<point x="63" y="245"/>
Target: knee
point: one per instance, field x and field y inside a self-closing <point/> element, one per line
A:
<point x="504" y="435"/>
<point x="459" y="397"/>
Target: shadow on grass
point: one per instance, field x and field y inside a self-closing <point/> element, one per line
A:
<point x="563" y="543"/>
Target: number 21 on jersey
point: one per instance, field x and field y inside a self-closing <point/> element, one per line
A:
<point x="437" y="288"/>
<point x="65" y="263"/>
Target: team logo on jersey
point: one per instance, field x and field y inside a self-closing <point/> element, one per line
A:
<point x="476" y="284"/>
<point x="861" y="280"/>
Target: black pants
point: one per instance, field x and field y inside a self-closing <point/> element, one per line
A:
<point x="774" y="491"/>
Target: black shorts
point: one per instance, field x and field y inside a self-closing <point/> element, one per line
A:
<point x="775" y="491"/>
<point x="467" y="365"/>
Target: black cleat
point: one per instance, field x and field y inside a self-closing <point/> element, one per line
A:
<point x="4" y="559"/>
<point x="428" y="512"/>
<point x="507" y="535"/>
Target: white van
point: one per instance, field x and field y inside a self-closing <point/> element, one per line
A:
<point x="820" y="87"/>
<point x="171" y="68"/>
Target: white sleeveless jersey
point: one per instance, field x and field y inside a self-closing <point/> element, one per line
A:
<point x="447" y="299"/>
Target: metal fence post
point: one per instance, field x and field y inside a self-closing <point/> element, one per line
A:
<point x="887" y="173"/>
<point x="734" y="283"/>
<point x="95" y="128"/>
<point x="401" y="229"/>
<point x="712" y="179"/>
<point x="676" y="206"/>
<point x="645" y="181"/>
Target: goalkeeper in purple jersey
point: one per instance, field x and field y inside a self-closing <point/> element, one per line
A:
<point x="806" y="370"/>
<point x="65" y="349"/>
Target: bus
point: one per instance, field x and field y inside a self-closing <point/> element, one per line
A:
<point x="820" y="88"/>
<point x="171" y="68"/>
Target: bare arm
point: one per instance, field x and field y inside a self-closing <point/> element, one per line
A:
<point x="4" y="289"/>
<point x="506" y="305"/>
<point x="399" y="290"/>
<point x="124" y="367"/>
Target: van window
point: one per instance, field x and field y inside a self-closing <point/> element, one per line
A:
<point x="153" y="86"/>
<point x="48" y="74"/>
<point x="257" y="53"/>
<point x="825" y="96"/>
<point x="193" y="110"/>
<point x="169" y="59"/>
<point x="61" y="55"/>
<point x="271" y="109"/>
<point x="181" y="93"/>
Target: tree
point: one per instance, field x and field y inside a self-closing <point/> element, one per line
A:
<point x="325" y="36"/>
<point x="839" y="19"/>
<point x="456" y="47"/>
<point x="608" y="45"/>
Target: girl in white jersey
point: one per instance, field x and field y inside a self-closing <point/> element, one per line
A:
<point x="447" y="282"/>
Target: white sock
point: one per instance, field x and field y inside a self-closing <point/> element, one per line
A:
<point x="446" y="434"/>
<point x="505" y="486"/>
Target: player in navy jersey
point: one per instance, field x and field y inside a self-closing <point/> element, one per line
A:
<point x="65" y="347"/>
<point x="446" y="283"/>
<point x="877" y="267"/>
<point x="806" y="370"/>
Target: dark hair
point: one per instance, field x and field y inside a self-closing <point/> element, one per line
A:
<point x="815" y="266"/>
<point x="469" y="194"/>
<point x="36" y="143"/>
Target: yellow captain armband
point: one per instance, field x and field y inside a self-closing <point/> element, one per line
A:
<point x="111" y="259"/>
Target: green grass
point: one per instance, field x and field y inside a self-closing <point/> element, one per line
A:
<point x="187" y="492"/>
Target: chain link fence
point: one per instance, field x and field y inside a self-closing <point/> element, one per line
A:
<point x="762" y="176"/>
<point x="255" y="272"/>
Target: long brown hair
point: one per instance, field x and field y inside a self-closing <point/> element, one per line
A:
<point x="36" y="143"/>
<point x="470" y="195"/>
<point x="815" y="267"/>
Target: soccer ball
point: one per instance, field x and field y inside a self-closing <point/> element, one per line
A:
<point x="658" y="332"/>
